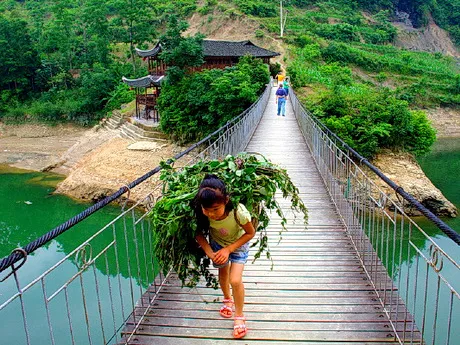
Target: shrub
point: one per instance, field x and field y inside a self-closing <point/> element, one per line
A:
<point x="373" y="120"/>
<point x="257" y="8"/>
<point x="260" y="33"/>
<point x="421" y="136"/>
<point x="121" y="95"/>
<point x="200" y="103"/>
<point x="274" y="68"/>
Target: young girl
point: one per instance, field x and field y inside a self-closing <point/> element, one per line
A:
<point x="228" y="246"/>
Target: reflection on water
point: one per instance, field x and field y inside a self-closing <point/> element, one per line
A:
<point x="115" y="266"/>
<point x="429" y="293"/>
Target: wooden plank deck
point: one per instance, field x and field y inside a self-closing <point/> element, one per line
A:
<point x="317" y="292"/>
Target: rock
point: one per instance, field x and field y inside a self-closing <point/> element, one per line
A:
<point x="146" y="146"/>
<point x="403" y="169"/>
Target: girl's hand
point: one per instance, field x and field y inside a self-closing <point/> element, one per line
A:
<point x="221" y="256"/>
<point x="211" y="256"/>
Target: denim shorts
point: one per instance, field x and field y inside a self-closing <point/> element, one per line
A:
<point x="239" y="256"/>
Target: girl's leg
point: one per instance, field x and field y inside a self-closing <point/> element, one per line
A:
<point x="224" y="281"/>
<point x="236" y="281"/>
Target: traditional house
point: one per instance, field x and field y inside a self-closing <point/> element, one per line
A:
<point x="216" y="54"/>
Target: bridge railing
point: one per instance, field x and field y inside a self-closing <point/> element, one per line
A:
<point x="382" y="233"/>
<point x="87" y="296"/>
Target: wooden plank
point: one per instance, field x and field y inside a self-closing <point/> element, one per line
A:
<point x="379" y="326"/>
<point x="267" y="335"/>
<point x="282" y="294"/>
<point x="155" y="340"/>
<point x="324" y="308"/>
<point x="269" y="316"/>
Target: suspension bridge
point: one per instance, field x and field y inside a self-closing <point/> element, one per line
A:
<point x="353" y="275"/>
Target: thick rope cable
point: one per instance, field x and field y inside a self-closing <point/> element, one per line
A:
<point x="451" y="233"/>
<point x="16" y="255"/>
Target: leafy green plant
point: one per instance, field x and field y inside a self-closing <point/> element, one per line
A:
<point x="250" y="179"/>
<point x="199" y="103"/>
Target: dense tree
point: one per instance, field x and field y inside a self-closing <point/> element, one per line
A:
<point x="199" y="103"/>
<point x="18" y="58"/>
<point x="179" y="52"/>
<point x="132" y="23"/>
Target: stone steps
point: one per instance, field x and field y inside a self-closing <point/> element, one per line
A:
<point x="131" y="131"/>
<point x="114" y="121"/>
<point x="129" y="128"/>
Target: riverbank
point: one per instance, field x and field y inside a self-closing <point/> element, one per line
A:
<point x="97" y="162"/>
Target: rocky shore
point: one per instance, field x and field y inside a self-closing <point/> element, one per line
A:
<point x="403" y="169"/>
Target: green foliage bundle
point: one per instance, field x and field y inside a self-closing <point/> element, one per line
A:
<point x="200" y="103"/>
<point x="250" y="179"/>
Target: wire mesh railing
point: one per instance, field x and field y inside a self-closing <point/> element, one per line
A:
<point x="388" y="242"/>
<point x="87" y="295"/>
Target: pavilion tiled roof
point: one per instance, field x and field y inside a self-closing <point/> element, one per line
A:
<point x="212" y="48"/>
<point x="147" y="81"/>
<point x="150" y="52"/>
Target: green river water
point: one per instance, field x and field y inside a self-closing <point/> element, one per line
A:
<point x="28" y="210"/>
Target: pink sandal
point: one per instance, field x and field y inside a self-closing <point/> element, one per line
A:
<point x="240" y="330"/>
<point x="226" y="310"/>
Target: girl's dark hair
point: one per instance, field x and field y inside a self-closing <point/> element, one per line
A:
<point x="212" y="190"/>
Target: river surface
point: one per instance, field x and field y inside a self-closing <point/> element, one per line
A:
<point x="28" y="209"/>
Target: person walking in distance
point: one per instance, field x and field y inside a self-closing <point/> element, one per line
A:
<point x="279" y="77"/>
<point x="286" y="86"/>
<point x="230" y="230"/>
<point x="281" y="96"/>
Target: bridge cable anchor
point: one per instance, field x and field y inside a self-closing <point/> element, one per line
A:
<point x="13" y="268"/>
<point x="127" y="197"/>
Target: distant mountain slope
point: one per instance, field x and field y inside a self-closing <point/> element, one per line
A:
<point x="430" y="38"/>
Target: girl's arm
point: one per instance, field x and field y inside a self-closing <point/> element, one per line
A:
<point x="221" y="256"/>
<point x="249" y="233"/>
<point x="204" y="244"/>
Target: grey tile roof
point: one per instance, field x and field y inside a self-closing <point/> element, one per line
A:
<point x="147" y="81"/>
<point x="212" y="48"/>
<point x="150" y="52"/>
<point x="236" y="49"/>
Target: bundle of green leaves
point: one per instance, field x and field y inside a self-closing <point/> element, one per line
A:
<point x="250" y="179"/>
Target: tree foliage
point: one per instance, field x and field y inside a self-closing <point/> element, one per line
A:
<point x="18" y="59"/>
<point x="180" y="53"/>
<point x="199" y="103"/>
<point x="375" y="120"/>
<point x="53" y="52"/>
